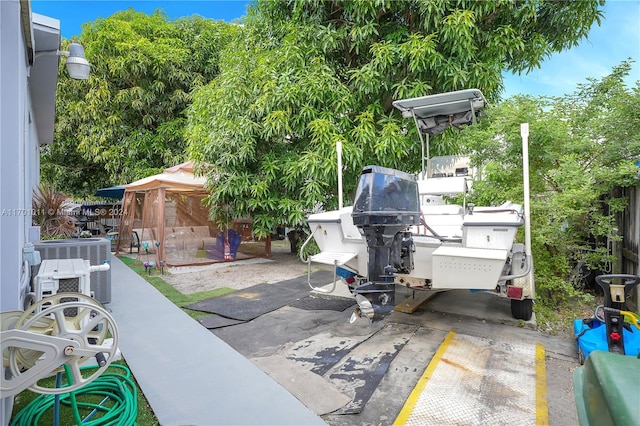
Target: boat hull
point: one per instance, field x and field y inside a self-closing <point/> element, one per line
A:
<point x="473" y="256"/>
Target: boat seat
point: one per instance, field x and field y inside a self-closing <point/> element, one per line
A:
<point x="438" y="209"/>
<point x="443" y="185"/>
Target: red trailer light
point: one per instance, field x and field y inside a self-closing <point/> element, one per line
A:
<point x="514" y="292"/>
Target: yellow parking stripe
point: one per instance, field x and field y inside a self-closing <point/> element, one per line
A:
<point x="497" y="365"/>
<point x="542" y="409"/>
<point x="409" y="405"/>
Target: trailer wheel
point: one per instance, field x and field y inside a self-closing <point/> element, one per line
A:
<point x="522" y="309"/>
<point x="580" y="356"/>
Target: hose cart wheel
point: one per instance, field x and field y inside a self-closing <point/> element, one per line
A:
<point x="77" y="320"/>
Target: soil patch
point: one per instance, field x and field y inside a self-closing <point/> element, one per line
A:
<point x="282" y="265"/>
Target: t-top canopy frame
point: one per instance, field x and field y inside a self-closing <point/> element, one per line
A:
<point x="433" y="114"/>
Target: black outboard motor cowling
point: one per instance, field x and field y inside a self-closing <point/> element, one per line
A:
<point x="386" y="205"/>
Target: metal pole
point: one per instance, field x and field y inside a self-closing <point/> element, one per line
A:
<point x="423" y="171"/>
<point x="339" y="155"/>
<point x="524" y="132"/>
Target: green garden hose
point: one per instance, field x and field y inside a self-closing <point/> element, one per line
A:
<point x="116" y="392"/>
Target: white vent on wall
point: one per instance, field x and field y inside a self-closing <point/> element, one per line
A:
<point x="95" y="250"/>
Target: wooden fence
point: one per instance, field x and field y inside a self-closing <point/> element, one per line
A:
<point x="627" y="258"/>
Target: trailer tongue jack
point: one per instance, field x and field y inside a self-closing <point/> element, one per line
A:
<point x="386" y="205"/>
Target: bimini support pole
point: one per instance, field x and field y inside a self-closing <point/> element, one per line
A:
<point x="424" y="145"/>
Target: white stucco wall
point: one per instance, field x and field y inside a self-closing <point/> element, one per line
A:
<point x="13" y="83"/>
<point x="20" y="142"/>
<point x="19" y="138"/>
<point x="16" y="153"/>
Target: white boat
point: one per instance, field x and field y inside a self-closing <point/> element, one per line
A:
<point x="430" y="245"/>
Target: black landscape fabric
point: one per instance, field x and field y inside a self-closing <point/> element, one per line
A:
<point x="311" y="303"/>
<point x="251" y="302"/>
<point x="362" y="370"/>
<point x="216" y="321"/>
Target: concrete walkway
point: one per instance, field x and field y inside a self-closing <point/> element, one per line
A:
<point x="188" y="375"/>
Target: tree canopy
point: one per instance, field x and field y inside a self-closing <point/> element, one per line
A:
<point x="581" y="146"/>
<point x="127" y="120"/>
<point x="308" y="74"/>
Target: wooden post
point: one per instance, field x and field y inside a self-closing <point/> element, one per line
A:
<point x="267" y="246"/>
<point x="160" y="224"/>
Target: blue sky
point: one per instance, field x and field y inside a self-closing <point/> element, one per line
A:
<point x="616" y="39"/>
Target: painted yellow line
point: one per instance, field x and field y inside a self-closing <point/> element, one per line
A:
<point x="410" y="404"/>
<point x="542" y="408"/>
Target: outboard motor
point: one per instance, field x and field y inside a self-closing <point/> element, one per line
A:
<point x="386" y="205"/>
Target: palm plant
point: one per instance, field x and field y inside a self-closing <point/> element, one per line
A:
<point x="49" y="213"/>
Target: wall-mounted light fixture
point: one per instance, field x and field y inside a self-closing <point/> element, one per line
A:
<point x="77" y="66"/>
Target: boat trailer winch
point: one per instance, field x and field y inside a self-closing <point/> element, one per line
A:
<point x="386" y="205"/>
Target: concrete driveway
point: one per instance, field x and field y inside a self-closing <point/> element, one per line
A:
<point x="367" y="374"/>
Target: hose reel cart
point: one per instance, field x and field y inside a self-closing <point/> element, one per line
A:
<point x="60" y="333"/>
